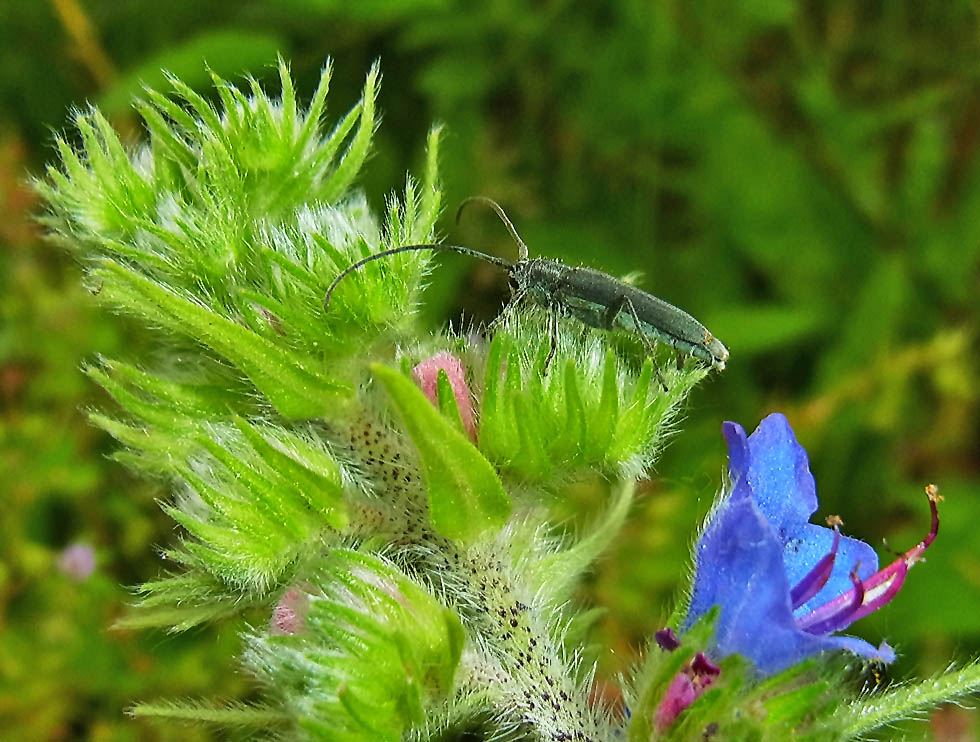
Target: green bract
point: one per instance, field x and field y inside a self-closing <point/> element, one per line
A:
<point x="594" y="409"/>
<point x="367" y="654"/>
<point x="226" y="228"/>
<point x="465" y="496"/>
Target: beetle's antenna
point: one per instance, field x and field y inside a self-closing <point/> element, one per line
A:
<point x="507" y="265"/>
<point x="522" y="252"/>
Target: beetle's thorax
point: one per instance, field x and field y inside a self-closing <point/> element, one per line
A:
<point x="537" y="278"/>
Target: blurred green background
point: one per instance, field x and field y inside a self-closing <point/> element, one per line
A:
<point x="803" y="177"/>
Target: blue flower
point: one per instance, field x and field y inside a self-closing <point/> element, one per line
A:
<point x="785" y="585"/>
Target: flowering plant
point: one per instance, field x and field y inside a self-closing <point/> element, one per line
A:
<point x="371" y="500"/>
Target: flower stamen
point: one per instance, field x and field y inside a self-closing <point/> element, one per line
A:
<point x="830" y="616"/>
<point x="870" y="594"/>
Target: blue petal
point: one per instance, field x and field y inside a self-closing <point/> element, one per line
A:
<point x="738" y="450"/>
<point x="740" y="568"/>
<point x="812" y="543"/>
<point x="860" y="647"/>
<point x="778" y="472"/>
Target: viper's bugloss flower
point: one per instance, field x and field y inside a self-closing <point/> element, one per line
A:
<point x="784" y="585"/>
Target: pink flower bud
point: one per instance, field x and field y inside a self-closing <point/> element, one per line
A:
<point x="687" y="686"/>
<point x="680" y="694"/>
<point x="427" y="374"/>
<point x="289" y="615"/>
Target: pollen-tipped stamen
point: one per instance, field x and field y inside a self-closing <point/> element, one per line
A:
<point x="875" y="591"/>
<point x="881" y="587"/>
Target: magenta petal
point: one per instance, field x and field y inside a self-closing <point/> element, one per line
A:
<point x="881" y="587"/>
<point x="77" y="561"/>
<point x="873" y="592"/>
<point x="680" y="694"/>
<point x="666" y="639"/>
<point x="809" y="545"/>
<point x="704" y="668"/>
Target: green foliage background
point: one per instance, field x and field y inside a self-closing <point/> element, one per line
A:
<point x="803" y="177"/>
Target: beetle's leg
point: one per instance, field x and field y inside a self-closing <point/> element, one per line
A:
<point x="554" y="310"/>
<point x="517" y="295"/>
<point x="626" y="304"/>
<point x="612" y="312"/>
<point x="553" y="332"/>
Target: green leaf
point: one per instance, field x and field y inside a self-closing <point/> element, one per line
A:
<point x="280" y="374"/>
<point x="560" y="572"/>
<point x="761" y="329"/>
<point x="873" y="712"/>
<point x="431" y="196"/>
<point x="360" y="145"/>
<point x="466" y="497"/>
<point x="321" y="493"/>
<point x="602" y="425"/>
<point x="658" y="669"/>
<point x="375" y="653"/>
<point x="231" y="715"/>
<point x="212" y="400"/>
<point x="180" y="602"/>
<point x="793" y="707"/>
<point x="576" y="430"/>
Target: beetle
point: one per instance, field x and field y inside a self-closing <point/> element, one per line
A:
<point x="595" y="298"/>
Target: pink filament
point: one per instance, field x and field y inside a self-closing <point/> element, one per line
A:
<point x="869" y="595"/>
